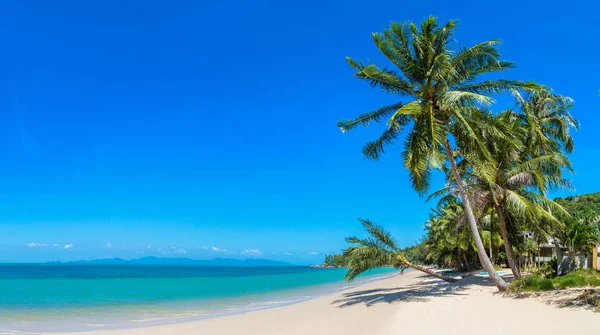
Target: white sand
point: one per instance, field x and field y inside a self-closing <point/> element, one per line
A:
<point x="402" y="304"/>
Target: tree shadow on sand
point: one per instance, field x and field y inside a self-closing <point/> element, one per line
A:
<point x="420" y="292"/>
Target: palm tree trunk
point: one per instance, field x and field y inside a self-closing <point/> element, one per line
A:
<point x="431" y="272"/>
<point x="483" y="258"/>
<point x="531" y="258"/>
<point x="466" y="261"/>
<point x="491" y="244"/>
<point x="510" y="256"/>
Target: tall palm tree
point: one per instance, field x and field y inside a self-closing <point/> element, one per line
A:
<point x="378" y="250"/>
<point x="441" y="85"/>
<point x="547" y="121"/>
<point x="505" y="180"/>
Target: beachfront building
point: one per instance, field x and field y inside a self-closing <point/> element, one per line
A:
<point x="554" y="249"/>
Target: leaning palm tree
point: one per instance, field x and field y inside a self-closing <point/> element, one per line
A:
<point x="379" y="250"/>
<point x="442" y="88"/>
<point x="505" y="180"/>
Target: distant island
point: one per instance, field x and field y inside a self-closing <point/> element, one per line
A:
<point x="177" y="261"/>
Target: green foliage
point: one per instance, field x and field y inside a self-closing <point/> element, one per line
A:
<point x="448" y="242"/>
<point x="546" y="270"/>
<point x="531" y="283"/>
<point x="501" y="166"/>
<point x="337" y="260"/>
<point x="578" y="278"/>
<point x="441" y="87"/>
<point x="578" y="233"/>
<point x="417" y="253"/>
<point x="377" y="250"/>
<point x="585" y="205"/>
<point x="554" y="265"/>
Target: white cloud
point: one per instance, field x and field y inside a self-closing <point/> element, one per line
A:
<point x="215" y="249"/>
<point x="108" y="245"/>
<point x="139" y="252"/>
<point x="313" y="253"/>
<point x="204" y="248"/>
<point x="147" y="247"/>
<point x="35" y="245"/>
<point x="180" y="251"/>
<point x="55" y="245"/>
<point x="287" y="253"/>
<point x="68" y="246"/>
<point x="251" y="252"/>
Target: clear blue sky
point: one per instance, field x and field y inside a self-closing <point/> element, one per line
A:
<point x="134" y="128"/>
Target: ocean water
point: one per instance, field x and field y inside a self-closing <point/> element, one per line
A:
<point x="59" y="298"/>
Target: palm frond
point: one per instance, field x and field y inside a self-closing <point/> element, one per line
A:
<point x="367" y="118"/>
<point x="378" y="233"/>
<point x="373" y="149"/>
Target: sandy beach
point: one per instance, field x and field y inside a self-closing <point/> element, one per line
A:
<point x="411" y="303"/>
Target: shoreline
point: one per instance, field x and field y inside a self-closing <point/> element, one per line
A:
<point x="210" y="325"/>
<point x="168" y="313"/>
<point x="411" y="303"/>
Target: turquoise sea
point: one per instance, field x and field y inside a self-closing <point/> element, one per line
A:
<point x="59" y="298"/>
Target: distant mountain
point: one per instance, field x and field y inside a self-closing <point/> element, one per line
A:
<point x="179" y="261"/>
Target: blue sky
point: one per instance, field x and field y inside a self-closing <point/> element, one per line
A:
<point x="187" y="128"/>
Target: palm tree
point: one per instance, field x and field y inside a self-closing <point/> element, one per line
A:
<point x="530" y="246"/>
<point x="442" y="86"/>
<point x="379" y="250"/>
<point x="547" y="121"/>
<point x="448" y="241"/>
<point x="490" y="235"/>
<point x="504" y="181"/>
<point x="580" y="234"/>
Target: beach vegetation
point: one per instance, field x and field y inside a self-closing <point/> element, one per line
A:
<point x="377" y="250"/>
<point x="499" y="167"/>
<point x="443" y="96"/>
<point x="336" y="260"/>
<point x="577" y="278"/>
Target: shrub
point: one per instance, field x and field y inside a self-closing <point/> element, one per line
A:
<point x="532" y="283"/>
<point x="546" y="285"/>
<point x="579" y="278"/>
<point x="544" y="271"/>
<point x="553" y="265"/>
